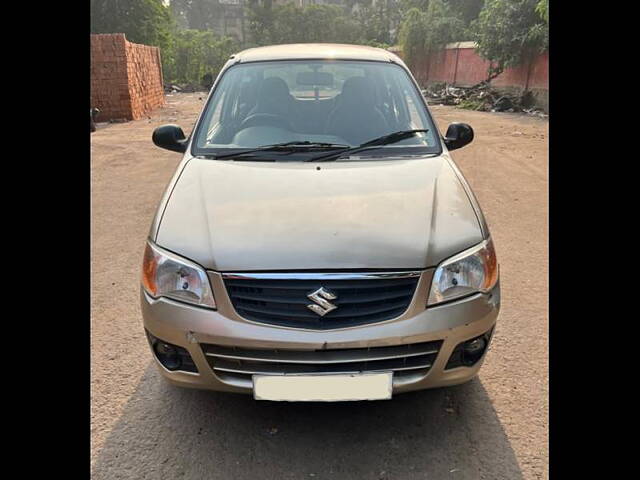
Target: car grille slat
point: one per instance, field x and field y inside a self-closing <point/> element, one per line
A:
<point x="353" y="312"/>
<point x="322" y="356"/>
<point x="284" y="301"/>
<point x="344" y="299"/>
<point x="247" y="362"/>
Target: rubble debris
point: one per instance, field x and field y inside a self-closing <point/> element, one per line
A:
<point x="171" y="88"/>
<point x="192" y="88"/>
<point x="503" y="104"/>
<point x="537" y="112"/>
<point x="481" y="97"/>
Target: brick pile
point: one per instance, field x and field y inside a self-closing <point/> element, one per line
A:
<point x="126" y="78"/>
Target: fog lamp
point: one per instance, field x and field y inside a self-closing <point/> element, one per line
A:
<point x="474" y="348"/>
<point x="167" y="355"/>
<point x="467" y="354"/>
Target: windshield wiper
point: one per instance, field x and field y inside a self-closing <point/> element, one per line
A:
<point x="376" y="142"/>
<point x="294" y="146"/>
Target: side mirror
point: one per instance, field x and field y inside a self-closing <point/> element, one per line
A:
<point x="170" y="137"/>
<point x="458" y="135"/>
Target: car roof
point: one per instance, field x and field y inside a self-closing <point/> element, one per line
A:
<point x="302" y="51"/>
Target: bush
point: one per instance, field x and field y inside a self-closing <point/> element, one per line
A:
<point x="509" y="32"/>
<point x="421" y="33"/>
<point x="196" y="53"/>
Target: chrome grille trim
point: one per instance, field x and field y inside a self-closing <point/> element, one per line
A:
<point x="321" y="356"/>
<point x="319" y="276"/>
<point x="245" y="361"/>
<point x="269" y="371"/>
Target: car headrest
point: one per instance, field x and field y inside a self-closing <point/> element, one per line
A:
<point x="358" y="90"/>
<point x="274" y="88"/>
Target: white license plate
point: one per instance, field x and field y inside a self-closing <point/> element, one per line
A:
<point x="323" y="388"/>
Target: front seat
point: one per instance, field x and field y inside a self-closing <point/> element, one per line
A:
<point x="355" y="117"/>
<point x="273" y="98"/>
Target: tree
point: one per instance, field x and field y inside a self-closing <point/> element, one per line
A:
<point x="378" y="22"/>
<point x="260" y="21"/>
<point x="319" y="24"/>
<point x="466" y="10"/>
<point x="142" y="21"/>
<point x="443" y="26"/>
<point x="197" y="14"/>
<point x="509" y="33"/>
<point x="412" y="36"/>
<point x="197" y="53"/>
<point x="288" y="23"/>
<point x="421" y="34"/>
<point x="406" y="5"/>
<point x="543" y="10"/>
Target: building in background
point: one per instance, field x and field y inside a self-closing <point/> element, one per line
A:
<point x="223" y="17"/>
<point x="231" y="21"/>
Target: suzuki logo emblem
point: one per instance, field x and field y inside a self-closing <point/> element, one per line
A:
<point x="322" y="305"/>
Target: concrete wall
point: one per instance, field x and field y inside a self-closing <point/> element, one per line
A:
<point x="459" y="64"/>
<point x="126" y="78"/>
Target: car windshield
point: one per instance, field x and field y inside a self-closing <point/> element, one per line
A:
<point x="328" y="103"/>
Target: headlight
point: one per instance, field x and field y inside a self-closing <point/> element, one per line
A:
<point x="474" y="270"/>
<point x="165" y="274"/>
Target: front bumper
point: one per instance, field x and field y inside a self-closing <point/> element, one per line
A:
<point x="189" y="327"/>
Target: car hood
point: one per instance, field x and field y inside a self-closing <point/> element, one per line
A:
<point x="400" y="213"/>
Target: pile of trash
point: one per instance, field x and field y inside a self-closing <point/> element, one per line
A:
<point x="187" y="88"/>
<point x="481" y="97"/>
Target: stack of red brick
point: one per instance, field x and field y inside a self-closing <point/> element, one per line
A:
<point x="126" y="78"/>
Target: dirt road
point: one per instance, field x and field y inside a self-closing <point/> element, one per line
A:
<point x="494" y="427"/>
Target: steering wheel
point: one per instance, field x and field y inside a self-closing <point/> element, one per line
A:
<point x="265" y="119"/>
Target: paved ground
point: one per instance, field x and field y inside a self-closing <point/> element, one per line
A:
<point x="494" y="427"/>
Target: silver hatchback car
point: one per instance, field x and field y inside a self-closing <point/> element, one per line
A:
<point x="317" y="242"/>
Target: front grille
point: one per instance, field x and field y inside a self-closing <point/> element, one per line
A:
<point x="243" y="362"/>
<point x="284" y="301"/>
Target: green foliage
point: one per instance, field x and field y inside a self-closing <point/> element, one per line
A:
<point x="313" y="23"/>
<point x="543" y="10"/>
<point x="422" y="33"/>
<point x="413" y="33"/>
<point x="377" y="22"/>
<point x="508" y="32"/>
<point x="196" y="14"/>
<point x="278" y="24"/>
<point x="406" y="5"/>
<point x="186" y="54"/>
<point x="142" y="21"/>
<point x="196" y="53"/>
<point x="260" y="22"/>
<point x="466" y="10"/>
<point x="443" y="26"/>
<point x="470" y="104"/>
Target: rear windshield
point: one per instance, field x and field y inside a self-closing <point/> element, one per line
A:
<point x="342" y="102"/>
